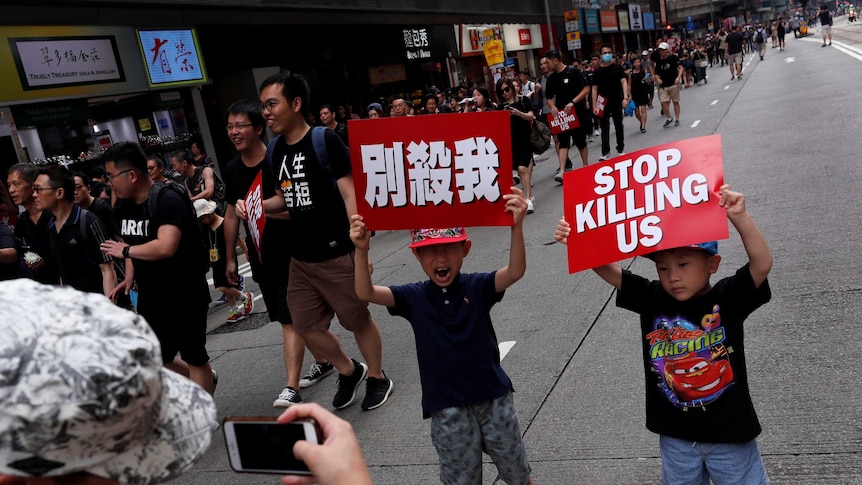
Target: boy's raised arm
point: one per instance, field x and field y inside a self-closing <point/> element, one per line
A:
<point x="612" y="273"/>
<point x="509" y="274"/>
<point x="759" y="256"/>
<point x="365" y="289"/>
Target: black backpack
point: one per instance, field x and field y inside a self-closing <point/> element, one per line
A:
<point x="202" y="260"/>
<point x="759" y="37"/>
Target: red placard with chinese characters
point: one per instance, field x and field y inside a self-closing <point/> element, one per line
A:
<point x="254" y="211"/>
<point x="564" y="121"/>
<point x="659" y="198"/>
<point x="433" y="170"/>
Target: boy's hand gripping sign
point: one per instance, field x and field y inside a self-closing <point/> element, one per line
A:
<point x="659" y="198"/>
<point x="432" y="171"/>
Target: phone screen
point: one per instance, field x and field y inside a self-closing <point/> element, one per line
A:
<point x="266" y="447"/>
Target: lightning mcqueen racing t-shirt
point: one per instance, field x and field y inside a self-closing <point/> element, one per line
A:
<point x="694" y="357"/>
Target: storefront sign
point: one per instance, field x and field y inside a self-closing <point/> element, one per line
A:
<point x="416" y="44"/>
<point x="649" y="21"/>
<point x="51" y="62"/>
<point x="522" y="37"/>
<point x="658" y="198"/>
<point x="609" y="21"/>
<point x="387" y="74"/>
<point x="432" y="171"/>
<point x="45" y="114"/>
<point x="636" y="17"/>
<point x="591" y="18"/>
<point x="473" y="38"/>
<point x="494" y="53"/>
<point x="66" y="61"/>
<point x="145" y="124"/>
<point x="623" y="16"/>
<point x="172" y="57"/>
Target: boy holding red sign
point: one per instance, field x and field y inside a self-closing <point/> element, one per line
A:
<point x="697" y="395"/>
<point x="465" y="391"/>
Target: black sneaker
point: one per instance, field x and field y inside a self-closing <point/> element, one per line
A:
<point x="558" y="176"/>
<point x="667" y="123"/>
<point x="676" y="123"/>
<point x="286" y="398"/>
<point x="347" y="385"/>
<point x="377" y="391"/>
<point x="318" y="371"/>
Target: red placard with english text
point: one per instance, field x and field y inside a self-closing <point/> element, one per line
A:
<point x="564" y="121"/>
<point x="441" y="170"/>
<point x="254" y="211"/>
<point x="658" y="198"/>
<point x="600" y="106"/>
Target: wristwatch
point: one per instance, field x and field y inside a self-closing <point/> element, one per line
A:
<point x="126" y="252"/>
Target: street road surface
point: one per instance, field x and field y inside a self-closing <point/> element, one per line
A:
<point x="791" y="143"/>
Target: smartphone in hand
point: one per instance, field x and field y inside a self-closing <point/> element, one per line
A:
<point x="261" y="445"/>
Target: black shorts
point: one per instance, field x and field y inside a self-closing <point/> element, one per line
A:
<point x="578" y="135"/>
<point x="272" y="280"/>
<point x="181" y="328"/>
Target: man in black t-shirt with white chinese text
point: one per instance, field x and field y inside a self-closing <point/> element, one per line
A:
<point x="321" y="282"/>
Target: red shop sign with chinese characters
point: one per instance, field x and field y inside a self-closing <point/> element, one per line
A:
<point x="659" y="198"/>
<point x="433" y="170"/>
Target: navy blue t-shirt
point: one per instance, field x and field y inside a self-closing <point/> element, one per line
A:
<point x="459" y="359"/>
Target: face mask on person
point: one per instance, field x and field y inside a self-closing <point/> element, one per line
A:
<point x="607" y="57"/>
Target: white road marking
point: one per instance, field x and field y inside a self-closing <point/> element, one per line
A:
<point x="244" y="269"/>
<point x="714" y="103"/>
<point x="505" y="347"/>
<point x="788" y="60"/>
<point x="696" y="122"/>
<point x="851" y="51"/>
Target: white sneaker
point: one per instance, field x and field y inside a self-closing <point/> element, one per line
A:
<point x="597" y="133"/>
<point x="606" y="156"/>
<point x="530" y="206"/>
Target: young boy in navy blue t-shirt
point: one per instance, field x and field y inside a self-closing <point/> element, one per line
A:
<point x="697" y="395"/>
<point x="465" y="391"/>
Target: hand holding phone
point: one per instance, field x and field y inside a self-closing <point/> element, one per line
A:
<point x="262" y="445"/>
<point x="337" y="460"/>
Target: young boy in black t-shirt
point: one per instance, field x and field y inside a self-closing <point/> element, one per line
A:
<point x="697" y="396"/>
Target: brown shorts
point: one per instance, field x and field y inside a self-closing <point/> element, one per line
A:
<point x="317" y="291"/>
<point x="670" y="93"/>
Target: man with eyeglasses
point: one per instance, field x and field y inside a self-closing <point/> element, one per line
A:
<point x="245" y="127"/>
<point x="75" y="235"/>
<point x="159" y="172"/>
<point x="398" y="108"/>
<point x="321" y="269"/>
<point x="31" y="230"/>
<point x="160" y="242"/>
